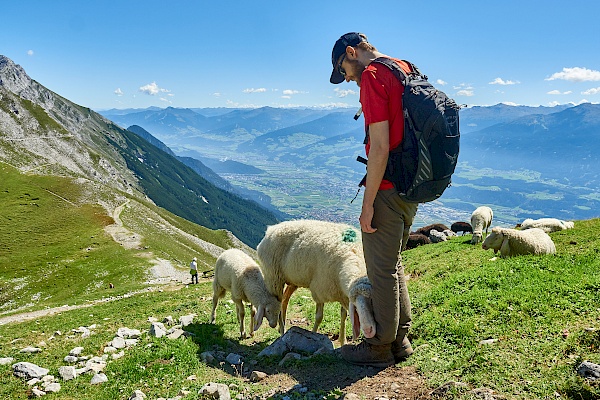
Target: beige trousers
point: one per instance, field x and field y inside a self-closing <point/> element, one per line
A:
<point x="393" y="218"/>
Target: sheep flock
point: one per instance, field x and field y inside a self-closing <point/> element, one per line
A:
<point x="327" y="259"/>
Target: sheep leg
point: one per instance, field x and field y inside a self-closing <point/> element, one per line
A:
<point x="239" y="306"/>
<point x="289" y="290"/>
<point x="218" y="292"/>
<point x="252" y="316"/>
<point x="318" y="316"/>
<point x="343" y="316"/>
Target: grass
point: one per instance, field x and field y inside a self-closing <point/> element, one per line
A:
<point x="542" y="313"/>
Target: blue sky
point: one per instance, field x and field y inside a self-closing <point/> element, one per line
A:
<point x="136" y="54"/>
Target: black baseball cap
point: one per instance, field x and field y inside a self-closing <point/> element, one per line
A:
<point x="339" y="48"/>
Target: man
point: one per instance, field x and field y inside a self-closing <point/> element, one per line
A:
<point x="194" y="270"/>
<point x="385" y="218"/>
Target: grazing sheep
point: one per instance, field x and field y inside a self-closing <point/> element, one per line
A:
<point x="449" y="233"/>
<point x="461" y="226"/>
<point x="426" y="229"/>
<point x="416" y="240"/>
<point x="547" y="224"/>
<point x="238" y="273"/>
<point x="513" y="242"/>
<point x="481" y="219"/>
<point x="325" y="257"/>
<point x="436" y="236"/>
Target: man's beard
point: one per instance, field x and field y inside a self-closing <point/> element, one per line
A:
<point x="357" y="69"/>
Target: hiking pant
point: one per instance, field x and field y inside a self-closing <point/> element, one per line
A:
<point x="195" y="277"/>
<point x="392" y="218"/>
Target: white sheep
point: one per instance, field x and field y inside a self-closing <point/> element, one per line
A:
<point x="481" y="219"/>
<point x="325" y="257"/>
<point x="436" y="236"/>
<point x="547" y="224"/>
<point x="238" y="273"/>
<point x="513" y="242"/>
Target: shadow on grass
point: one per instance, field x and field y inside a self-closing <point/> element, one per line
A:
<point x="322" y="373"/>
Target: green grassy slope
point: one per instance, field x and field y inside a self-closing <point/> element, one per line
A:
<point x="543" y="313"/>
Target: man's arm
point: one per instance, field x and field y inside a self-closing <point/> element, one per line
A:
<point x="379" y="136"/>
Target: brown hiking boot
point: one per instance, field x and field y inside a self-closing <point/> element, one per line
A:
<point x="401" y="350"/>
<point x="368" y="355"/>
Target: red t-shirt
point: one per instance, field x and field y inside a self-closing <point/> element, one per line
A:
<point x="381" y="100"/>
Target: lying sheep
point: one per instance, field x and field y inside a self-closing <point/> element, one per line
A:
<point x="427" y="229"/>
<point x="436" y="236"/>
<point x="325" y="257"/>
<point x="513" y="242"/>
<point x="461" y="226"/>
<point x="416" y="240"/>
<point x="237" y="272"/>
<point x="449" y="233"/>
<point x="547" y="224"/>
<point x="481" y="219"/>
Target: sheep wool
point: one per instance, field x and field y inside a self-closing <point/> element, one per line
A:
<point x="325" y="257"/>
<point x="513" y="242"/>
<point x="238" y="273"/>
<point x="547" y="224"/>
<point x="481" y="220"/>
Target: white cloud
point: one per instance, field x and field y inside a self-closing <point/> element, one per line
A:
<point x="152" y="89"/>
<point x="510" y="103"/>
<point x="29" y="52"/>
<point x="217" y="94"/>
<point x="463" y="86"/>
<point x="576" y="74"/>
<point x="554" y="103"/>
<point x="559" y="92"/>
<point x="441" y="82"/>
<point x="252" y="90"/>
<point x="344" y="92"/>
<point x="465" y="92"/>
<point x="591" y="91"/>
<point x="500" y="81"/>
<point x="289" y="92"/>
<point x="118" y="92"/>
<point x="165" y="100"/>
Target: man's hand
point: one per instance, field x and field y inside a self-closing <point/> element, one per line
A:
<point x="366" y="217"/>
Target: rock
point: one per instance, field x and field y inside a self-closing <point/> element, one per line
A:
<point x="76" y="351"/>
<point x="176" y="334"/>
<point x="185" y="320"/>
<point x="28" y="370"/>
<point x="118" y="355"/>
<point x="207" y="357"/>
<point x="589" y="370"/>
<point x="31" y="350"/>
<point x="137" y="395"/>
<point x="118" y="343"/>
<point x="298" y="340"/>
<point x="67" y="372"/>
<point x="70" y="359"/>
<point x="288" y="357"/>
<point x="443" y="390"/>
<point x="257" y="376"/>
<point x="488" y="341"/>
<point x="6" y="360"/>
<point x="99" y="378"/>
<point x="110" y="349"/>
<point x="168" y="321"/>
<point x="351" y="396"/>
<point x="157" y="329"/>
<point x="37" y="392"/>
<point x="127" y="333"/>
<point x="234" y="359"/>
<point x="52" y="387"/>
<point x="216" y="391"/>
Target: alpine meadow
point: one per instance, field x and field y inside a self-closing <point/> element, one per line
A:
<point x="102" y="212"/>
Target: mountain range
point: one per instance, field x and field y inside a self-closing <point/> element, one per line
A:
<point x="524" y="161"/>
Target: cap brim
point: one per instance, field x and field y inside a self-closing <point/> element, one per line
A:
<point x="336" y="77"/>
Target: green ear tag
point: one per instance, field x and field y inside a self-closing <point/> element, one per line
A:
<point x="349" y="235"/>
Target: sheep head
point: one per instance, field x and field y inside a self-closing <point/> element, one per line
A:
<point x="494" y="240"/>
<point x="270" y="310"/>
<point x="361" y="308"/>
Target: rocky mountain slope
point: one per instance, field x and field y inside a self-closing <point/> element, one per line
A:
<point x="44" y="133"/>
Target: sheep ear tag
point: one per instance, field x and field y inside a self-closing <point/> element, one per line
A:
<point x="349" y="235"/>
<point x="258" y="318"/>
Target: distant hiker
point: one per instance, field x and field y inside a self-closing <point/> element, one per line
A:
<point x="194" y="270"/>
<point x="385" y="218"/>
